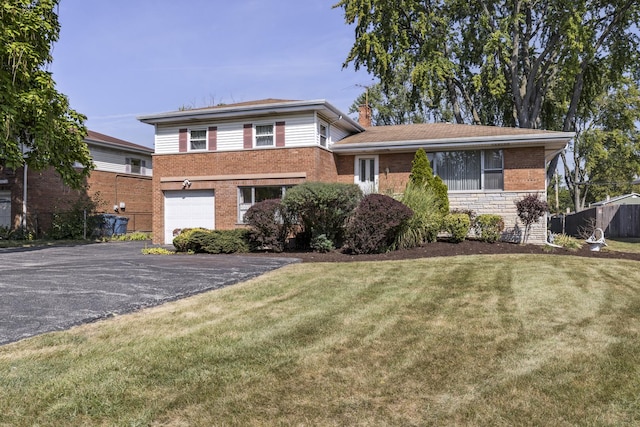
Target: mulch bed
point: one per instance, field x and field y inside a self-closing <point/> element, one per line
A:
<point x="445" y="248"/>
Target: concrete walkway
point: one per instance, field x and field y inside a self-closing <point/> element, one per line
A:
<point x="53" y="288"/>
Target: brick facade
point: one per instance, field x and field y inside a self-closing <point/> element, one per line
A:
<point x="46" y="194"/>
<point x="224" y="172"/>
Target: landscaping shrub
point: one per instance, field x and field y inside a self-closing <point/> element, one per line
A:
<point x="488" y="227"/>
<point x="457" y="225"/>
<point x="567" y="242"/>
<point x="322" y="208"/>
<point x="375" y="223"/>
<point x="270" y="224"/>
<point x="424" y="225"/>
<point x="218" y="241"/>
<point x="70" y="223"/>
<point x="321" y="244"/>
<point x="530" y="209"/>
<point x="422" y="175"/>
<point x="182" y="242"/>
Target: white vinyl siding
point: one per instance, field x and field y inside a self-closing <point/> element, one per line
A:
<point x="336" y="134"/>
<point x="300" y="131"/>
<point x="116" y="161"/>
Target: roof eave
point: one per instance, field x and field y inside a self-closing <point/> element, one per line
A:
<point x="114" y="146"/>
<point x="555" y="142"/>
<point x="251" y="110"/>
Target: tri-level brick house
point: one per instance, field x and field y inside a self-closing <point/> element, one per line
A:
<point x="212" y="164"/>
<point x="121" y="180"/>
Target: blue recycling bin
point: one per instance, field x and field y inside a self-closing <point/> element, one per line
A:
<point x="121" y="225"/>
<point x="108" y="224"/>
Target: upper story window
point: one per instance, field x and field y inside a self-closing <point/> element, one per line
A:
<point x="264" y="135"/>
<point x="322" y="132"/>
<point x="470" y="170"/>
<point x="136" y="166"/>
<point x="198" y="140"/>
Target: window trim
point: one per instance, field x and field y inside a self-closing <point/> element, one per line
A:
<point x="482" y="185"/>
<point x="240" y="216"/>
<point x="325" y="135"/>
<point x="190" y="139"/>
<point x="273" y="134"/>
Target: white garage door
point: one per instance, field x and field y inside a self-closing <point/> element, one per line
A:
<point x="187" y="209"/>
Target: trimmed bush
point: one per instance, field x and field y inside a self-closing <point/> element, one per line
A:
<point x="199" y="240"/>
<point x="424" y="225"/>
<point x="457" y="225"/>
<point x="488" y="227"/>
<point x="322" y="208"/>
<point x="375" y="223"/>
<point x="182" y="242"/>
<point x="321" y="244"/>
<point x="270" y="224"/>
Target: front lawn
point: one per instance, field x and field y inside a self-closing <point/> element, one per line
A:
<point x="469" y="340"/>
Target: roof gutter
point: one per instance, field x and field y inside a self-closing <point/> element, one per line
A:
<point x="457" y="143"/>
<point x="248" y="110"/>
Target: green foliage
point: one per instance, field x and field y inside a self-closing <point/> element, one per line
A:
<point x="424" y="225"/>
<point x="321" y="244"/>
<point x="69" y="223"/>
<point x="156" y="251"/>
<point x="35" y="119"/>
<point x="530" y="209"/>
<point x="130" y="237"/>
<point x="457" y="225"/>
<point x="182" y="242"/>
<point x="462" y="60"/>
<point x="270" y="224"/>
<point x="322" y="208"/>
<point x="567" y="242"/>
<point x="199" y="240"/>
<point x="488" y="227"/>
<point x="422" y="175"/>
<point x="375" y="224"/>
<point x="421" y="172"/>
<point x="396" y="102"/>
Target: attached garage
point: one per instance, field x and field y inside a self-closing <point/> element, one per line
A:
<point x="188" y="209"/>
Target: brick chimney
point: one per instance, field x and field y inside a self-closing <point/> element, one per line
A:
<point x="364" y="116"/>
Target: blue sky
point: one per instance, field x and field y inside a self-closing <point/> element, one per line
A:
<point x="118" y="59"/>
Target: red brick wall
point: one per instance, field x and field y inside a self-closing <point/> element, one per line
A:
<point x="318" y="164"/>
<point x="524" y="169"/>
<point x="135" y="191"/>
<point x="46" y="194"/>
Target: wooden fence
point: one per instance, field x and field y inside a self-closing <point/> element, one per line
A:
<point x="615" y="220"/>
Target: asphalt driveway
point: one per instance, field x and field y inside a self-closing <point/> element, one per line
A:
<point x="53" y="288"/>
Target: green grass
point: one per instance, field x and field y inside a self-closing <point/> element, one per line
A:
<point x="624" y="245"/>
<point x="474" y="340"/>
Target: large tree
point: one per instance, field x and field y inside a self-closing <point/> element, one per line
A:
<point x="37" y="126"/>
<point x="523" y="63"/>
<point x="606" y="150"/>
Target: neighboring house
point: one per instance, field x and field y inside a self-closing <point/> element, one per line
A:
<point x="121" y="182"/>
<point x="211" y="164"/>
<point x="625" y="199"/>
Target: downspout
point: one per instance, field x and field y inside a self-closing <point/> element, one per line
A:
<point x="24" y="198"/>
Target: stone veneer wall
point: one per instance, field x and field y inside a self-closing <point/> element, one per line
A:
<point x="503" y="204"/>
